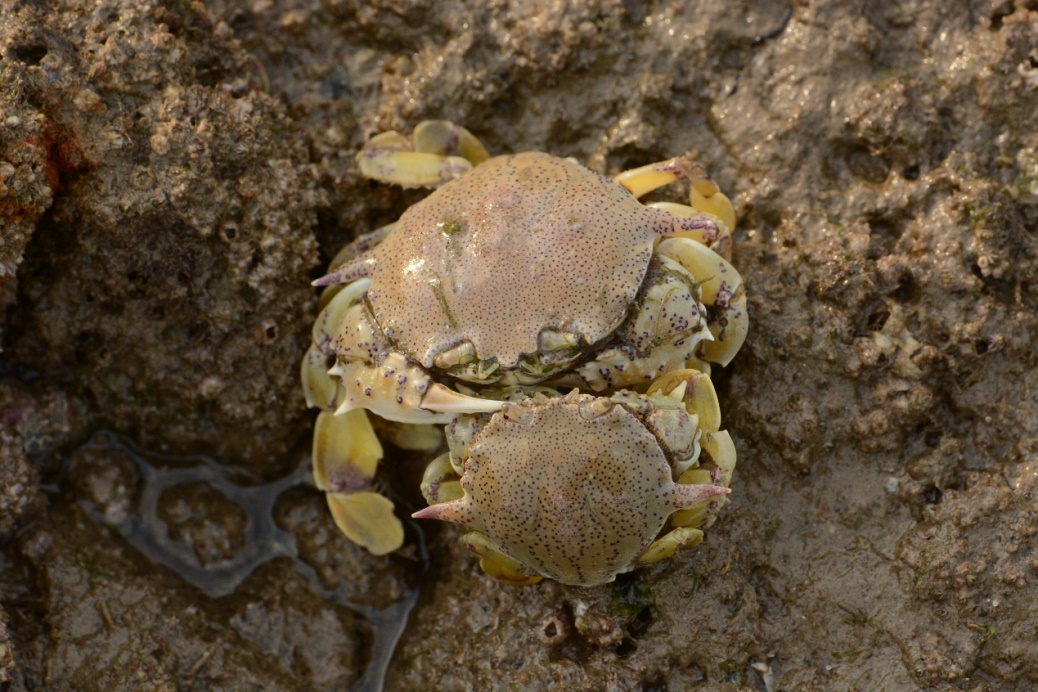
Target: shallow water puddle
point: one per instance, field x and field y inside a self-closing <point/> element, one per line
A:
<point x="262" y="539"/>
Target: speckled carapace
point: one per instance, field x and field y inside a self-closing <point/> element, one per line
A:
<point x="521" y="244"/>
<point x="574" y="488"/>
<point x="526" y="257"/>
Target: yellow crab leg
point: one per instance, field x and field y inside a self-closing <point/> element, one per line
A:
<point x="669" y="544"/>
<point x="695" y="515"/>
<point x="423" y="160"/>
<point x="644" y="179"/>
<point x="417" y="437"/>
<point x="704" y="195"/>
<point x="410" y="168"/>
<point x="721" y="449"/>
<point x="443" y="136"/>
<point x="367" y="519"/>
<point x="440" y="483"/>
<point x="319" y="388"/>
<point x="362" y="244"/>
<point x="346" y="453"/>
<point x="496" y="564"/>
<point x="694" y="363"/>
<point x="696" y="391"/>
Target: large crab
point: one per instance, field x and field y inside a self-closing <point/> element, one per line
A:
<point x="524" y="271"/>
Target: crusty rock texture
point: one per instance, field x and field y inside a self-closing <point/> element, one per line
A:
<point x="164" y="282"/>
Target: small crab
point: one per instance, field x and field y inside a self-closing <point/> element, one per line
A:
<point x="525" y="271"/>
<point x="578" y="488"/>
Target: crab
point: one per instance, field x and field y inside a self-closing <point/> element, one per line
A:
<point x="519" y="278"/>
<point x="579" y="488"/>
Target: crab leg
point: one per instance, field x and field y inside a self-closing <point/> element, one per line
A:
<point x="423" y="160"/>
<point x="713" y="467"/>
<point x="704" y="195"/>
<point x="492" y="560"/>
<point x="695" y="390"/>
<point x="440" y="482"/>
<point x="360" y="245"/>
<point x="350" y="252"/>
<point x="357" y="268"/>
<point x="346" y="450"/>
<point x="671" y="542"/>
<point x="495" y="563"/>
<point x="723" y="291"/>
<point x="702" y="247"/>
<point x="687" y="495"/>
<point x="415" y="437"/>
<point x="442" y="136"/>
<point x="319" y="388"/>
<point x="720" y="242"/>
<point x="345" y="455"/>
<point x="644" y="179"/>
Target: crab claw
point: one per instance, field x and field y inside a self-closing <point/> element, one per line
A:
<point x="723" y="294"/>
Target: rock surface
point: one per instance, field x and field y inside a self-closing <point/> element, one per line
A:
<point x="173" y="175"/>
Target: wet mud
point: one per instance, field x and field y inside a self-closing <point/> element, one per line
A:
<point x="172" y="176"/>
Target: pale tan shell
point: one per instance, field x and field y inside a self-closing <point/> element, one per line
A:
<point x="521" y="244"/>
<point x="575" y="487"/>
